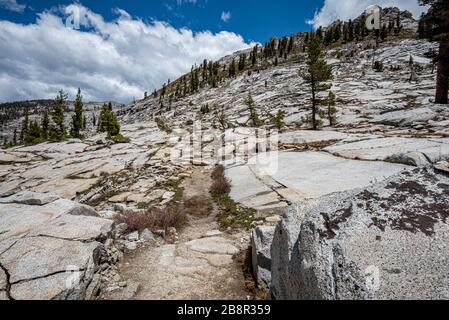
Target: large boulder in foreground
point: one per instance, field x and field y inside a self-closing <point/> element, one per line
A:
<point x="50" y="248"/>
<point x="386" y="241"/>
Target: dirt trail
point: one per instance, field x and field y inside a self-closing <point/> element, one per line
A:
<point x="200" y="266"/>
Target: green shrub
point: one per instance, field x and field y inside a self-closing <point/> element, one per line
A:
<point x="162" y="125"/>
<point x="119" y="138"/>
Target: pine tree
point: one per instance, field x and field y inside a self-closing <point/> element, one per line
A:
<point x="232" y="69"/>
<point x="253" y="115"/>
<point x="398" y="21"/>
<point x="438" y="22"/>
<point x="345" y="33"/>
<point x="254" y="56"/>
<point x="25" y="127"/>
<point x="421" y="27"/>
<point x="318" y="72"/>
<point x="77" y="118"/>
<point x="384" y="32"/>
<point x="278" y="119"/>
<point x="108" y="122"/>
<point x="242" y="62"/>
<point x="45" y="122"/>
<point x="337" y="33"/>
<point x="14" y="139"/>
<point x="350" y="31"/>
<point x="331" y="111"/>
<point x="57" y="132"/>
<point x="291" y="44"/>
<point x="34" y="133"/>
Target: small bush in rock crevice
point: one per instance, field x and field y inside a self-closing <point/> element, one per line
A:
<point x="220" y="187"/>
<point x="154" y="219"/>
<point x="221" y="184"/>
<point x="218" y="172"/>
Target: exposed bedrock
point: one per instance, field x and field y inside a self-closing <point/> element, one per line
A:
<point x="386" y="241"/>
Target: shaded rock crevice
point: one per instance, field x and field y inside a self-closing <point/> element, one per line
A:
<point x="7" y="284"/>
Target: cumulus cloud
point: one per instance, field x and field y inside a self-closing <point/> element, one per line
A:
<point x="109" y="60"/>
<point x="225" y="16"/>
<point x="350" y="9"/>
<point x="12" y="5"/>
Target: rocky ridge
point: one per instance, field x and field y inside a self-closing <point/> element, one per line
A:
<point x="386" y="126"/>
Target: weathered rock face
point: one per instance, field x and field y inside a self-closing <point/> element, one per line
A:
<point x="387" y="241"/>
<point x="411" y="151"/>
<point x="261" y="239"/>
<point x="50" y="248"/>
<point x="296" y="176"/>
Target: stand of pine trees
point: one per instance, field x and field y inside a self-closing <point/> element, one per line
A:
<point x="51" y="125"/>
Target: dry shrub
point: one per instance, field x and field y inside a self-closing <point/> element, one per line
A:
<point x="198" y="206"/>
<point x="154" y="219"/>
<point x="218" y="172"/>
<point x="135" y="221"/>
<point x="171" y="216"/>
<point x="220" y="186"/>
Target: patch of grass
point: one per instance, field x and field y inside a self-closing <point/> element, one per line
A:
<point x="120" y="139"/>
<point x="233" y="215"/>
<point x="179" y="193"/>
<point x="143" y="205"/>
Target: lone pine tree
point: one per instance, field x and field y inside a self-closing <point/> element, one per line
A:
<point x="437" y="21"/>
<point x="57" y="132"/>
<point x="318" y="72"/>
<point x="45" y="122"/>
<point x="253" y="115"/>
<point x="77" y="118"/>
<point x="24" y="131"/>
<point x="108" y="122"/>
<point x="331" y="111"/>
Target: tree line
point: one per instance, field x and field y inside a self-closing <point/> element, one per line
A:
<point x="51" y="126"/>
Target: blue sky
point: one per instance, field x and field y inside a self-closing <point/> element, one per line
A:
<point x="256" y="20"/>
<point x="124" y="48"/>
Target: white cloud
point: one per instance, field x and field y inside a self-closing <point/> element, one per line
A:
<point x="12" y="5"/>
<point x="115" y="60"/>
<point x="350" y="9"/>
<point x="225" y="16"/>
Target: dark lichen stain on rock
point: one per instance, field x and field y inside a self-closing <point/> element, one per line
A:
<point x="408" y="187"/>
<point x="411" y="206"/>
<point x="332" y="223"/>
<point x="393" y="271"/>
<point x="379" y="223"/>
